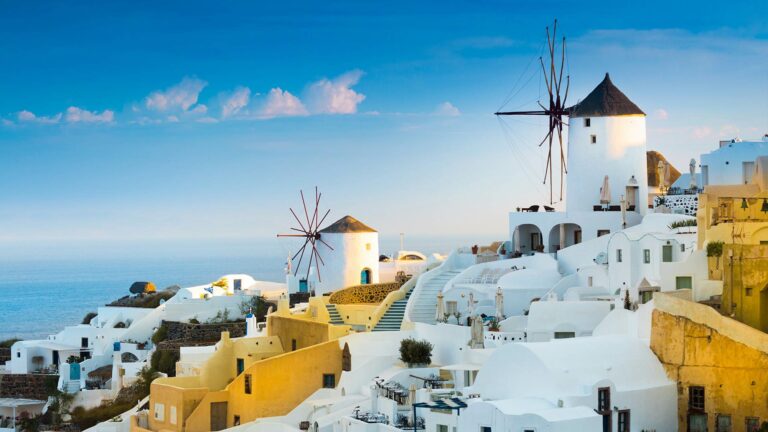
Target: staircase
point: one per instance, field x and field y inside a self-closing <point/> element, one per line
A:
<point x="425" y="300"/>
<point x="71" y="387"/>
<point x="335" y="317"/>
<point x="393" y="318"/>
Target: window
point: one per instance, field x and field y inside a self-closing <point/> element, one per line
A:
<point x="329" y="380"/>
<point x="604" y="399"/>
<point x="603" y="232"/>
<point x="247" y="383"/>
<point x="172" y="414"/>
<point x="442" y="428"/>
<point x="367" y="246"/>
<point x="593" y="139"/>
<point x="485" y="429"/>
<point x="587" y="122"/>
<point x="159" y="412"/>
<point x="751" y="424"/>
<point x="748" y="291"/>
<point x="590" y="281"/>
<point x="293" y="344"/>
<point x="623" y="421"/>
<point x="83" y="342"/>
<point x="18" y="354"/>
<point x="682" y="248"/>
<point x="240" y="366"/>
<point x="565" y="335"/>
<point x="647" y="256"/>
<point x="236" y="421"/>
<point x="646" y="296"/>
<point x="618" y="255"/>
<point x="666" y="253"/>
<point x="683" y="282"/>
<point x="696" y="398"/>
<point x="723" y="423"/>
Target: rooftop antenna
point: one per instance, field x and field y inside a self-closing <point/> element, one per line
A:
<point x="554" y="109"/>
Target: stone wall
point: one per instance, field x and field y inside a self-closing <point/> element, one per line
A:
<point x="364" y="294"/>
<point x="5" y="354"/>
<point x="27" y="386"/>
<point x="681" y="204"/>
<point x="699" y="347"/>
<point x="186" y="332"/>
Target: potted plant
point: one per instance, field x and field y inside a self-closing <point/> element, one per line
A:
<point x="715" y="250"/>
<point x="457" y="314"/>
<point x="416" y="353"/>
<point x="475" y="249"/>
<point x="493" y="325"/>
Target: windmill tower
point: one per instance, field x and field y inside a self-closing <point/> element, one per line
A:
<point x="606" y="137"/>
<point x="343" y="254"/>
<point x="604" y="176"/>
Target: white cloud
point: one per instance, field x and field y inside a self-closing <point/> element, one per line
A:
<point x="661" y="114"/>
<point x="79" y="115"/>
<point x="281" y="103"/>
<point x="30" y="117"/>
<point x="6" y="122"/>
<point x="447" y="109"/>
<point x="335" y="96"/>
<point x="207" y="120"/>
<point x="702" y="132"/>
<point x="178" y="97"/>
<point x="199" y="109"/>
<point x="235" y="101"/>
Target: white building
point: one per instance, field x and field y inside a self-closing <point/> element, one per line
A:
<point x="733" y="162"/>
<point x="606" y="141"/>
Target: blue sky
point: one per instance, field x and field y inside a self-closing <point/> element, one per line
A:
<point x="201" y="120"/>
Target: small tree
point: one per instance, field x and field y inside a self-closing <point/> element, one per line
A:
<point x="221" y="283"/>
<point x="413" y="352"/>
<point x="88" y="317"/>
<point x="715" y="250"/>
<point x="627" y="303"/>
<point x="146" y="376"/>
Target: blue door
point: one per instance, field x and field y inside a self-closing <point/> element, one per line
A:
<point x="303" y="286"/>
<point x="74" y="371"/>
<point x="365" y="277"/>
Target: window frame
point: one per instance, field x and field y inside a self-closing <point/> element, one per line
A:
<point x="330" y="376"/>
<point x="604" y="403"/>
<point x="247" y="384"/>
<point x="619" y="255"/>
<point x="646" y="256"/>
<point x="694" y="398"/>
<point x="593" y="139"/>
<point x="587" y="122"/>
<point x="627" y="420"/>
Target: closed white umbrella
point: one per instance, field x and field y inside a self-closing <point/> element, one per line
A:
<point x="623" y="212"/>
<point x="667" y="175"/>
<point x="605" y="192"/>
<point x="477" y="333"/>
<point x="499" y="304"/>
<point x="692" y="168"/>
<point x="440" y="312"/>
<point x="660" y="174"/>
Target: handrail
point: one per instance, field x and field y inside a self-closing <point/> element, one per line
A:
<point x="390" y="299"/>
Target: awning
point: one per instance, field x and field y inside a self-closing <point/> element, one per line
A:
<point x="17" y="402"/>
<point x="445" y="404"/>
<point x="104" y="372"/>
<point x="462" y="367"/>
<point x="647" y="286"/>
<point x="55" y="346"/>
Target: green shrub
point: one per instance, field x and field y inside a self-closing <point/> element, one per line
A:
<point x="715" y="250"/>
<point x="87" y="418"/>
<point x="160" y="335"/>
<point x="684" y="223"/>
<point x="165" y="361"/>
<point x="8" y="342"/>
<point x="88" y="317"/>
<point x="414" y="351"/>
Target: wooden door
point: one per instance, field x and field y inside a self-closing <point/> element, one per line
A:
<point x="218" y="416"/>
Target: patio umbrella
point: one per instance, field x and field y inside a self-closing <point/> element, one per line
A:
<point x="499" y="304"/>
<point x="412" y="394"/>
<point x="623" y="203"/>
<point x="692" y="168"/>
<point x="440" y="313"/>
<point x="477" y="333"/>
<point x="605" y="192"/>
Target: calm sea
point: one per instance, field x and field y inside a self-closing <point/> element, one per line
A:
<point x="40" y="293"/>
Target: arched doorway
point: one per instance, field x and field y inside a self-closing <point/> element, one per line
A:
<point x="527" y="238"/>
<point x="127" y="357"/>
<point x="563" y="235"/>
<point x="365" y="276"/>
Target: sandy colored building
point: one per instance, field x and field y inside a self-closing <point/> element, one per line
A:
<point x="719" y="364"/>
<point x="249" y="378"/>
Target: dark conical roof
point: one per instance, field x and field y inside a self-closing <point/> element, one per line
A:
<point x="604" y="101"/>
<point x="347" y="224"/>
